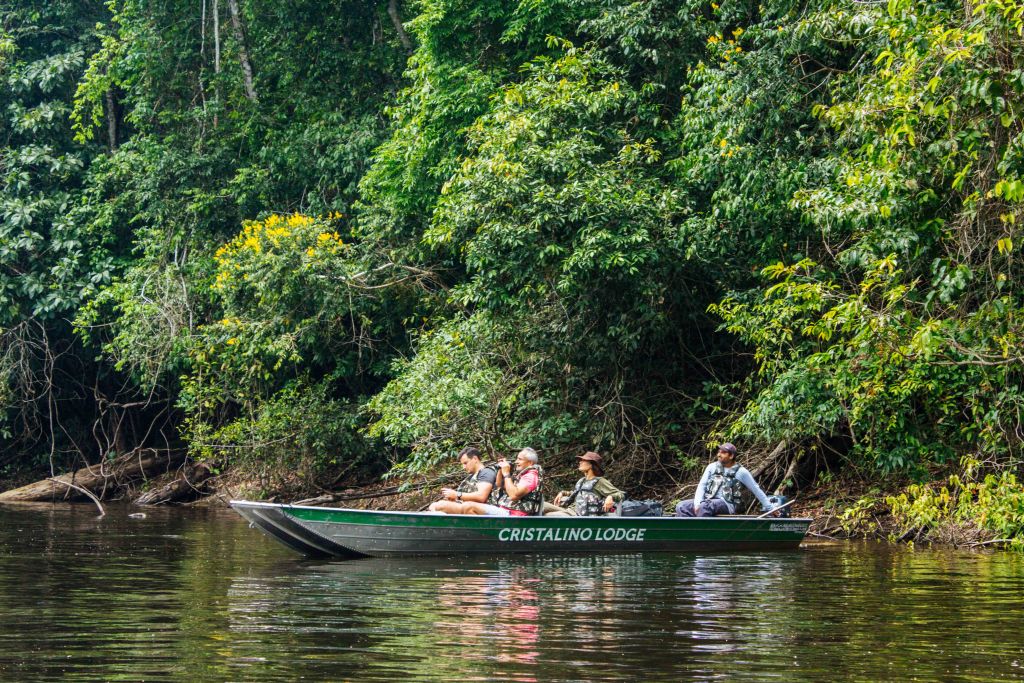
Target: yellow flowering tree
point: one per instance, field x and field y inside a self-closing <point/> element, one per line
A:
<point x="295" y="321"/>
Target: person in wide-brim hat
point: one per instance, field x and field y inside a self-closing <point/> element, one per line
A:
<point x="592" y="495"/>
<point x="595" y="462"/>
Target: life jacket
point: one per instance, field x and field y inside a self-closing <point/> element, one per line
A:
<point x="724" y="485"/>
<point x="533" y="502"/>
<point x="469" y="484"/>
<point x="588" y="503"/>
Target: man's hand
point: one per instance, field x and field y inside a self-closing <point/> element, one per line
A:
<point x="504" y="466"/>
<point x="449" y="494"/>
<point x="609" y="504"/>
<point x="558" y="499"/>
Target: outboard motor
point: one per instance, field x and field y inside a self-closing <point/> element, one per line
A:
<point x="776" y="501"/>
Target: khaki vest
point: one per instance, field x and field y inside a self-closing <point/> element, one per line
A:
<point x="533" y="502"/>
<point x="724" y="485"/>
<point x="588" y="503"/>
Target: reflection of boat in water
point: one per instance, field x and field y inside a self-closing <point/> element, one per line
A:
<point x="344" y="533"/>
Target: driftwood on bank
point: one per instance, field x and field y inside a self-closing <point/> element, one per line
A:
<point x="186" y="485"/>
<point x="100" y="480"/>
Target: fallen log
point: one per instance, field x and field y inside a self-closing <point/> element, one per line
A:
<point x="338" y="497"/>
<point x="186" y="485"/>
<point x="99" y="480"/>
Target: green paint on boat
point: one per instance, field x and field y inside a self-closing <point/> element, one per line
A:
<point x="340" y="532"/>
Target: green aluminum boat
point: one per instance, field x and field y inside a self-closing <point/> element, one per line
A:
<point x="342" y="533"/>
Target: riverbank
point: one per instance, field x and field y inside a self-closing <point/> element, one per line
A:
<point x="969" y="508"/>
<point x="909" y="514"/>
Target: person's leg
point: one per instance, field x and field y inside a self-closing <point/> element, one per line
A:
<point x="447" y="506"/>
<point x="713" y="508"/>
<point x="472" y="509"/>
<point x="483" y="509"/>
<point x="685" y="508"/>
<point x="555" y="511"/>
<point x="722" y="508"/>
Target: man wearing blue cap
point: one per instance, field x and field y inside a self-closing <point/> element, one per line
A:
<point x="718" y="492"/>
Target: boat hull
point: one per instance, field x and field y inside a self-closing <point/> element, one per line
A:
<point x="344" y="533"/>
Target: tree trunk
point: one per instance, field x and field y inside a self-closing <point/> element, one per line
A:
<point x="216" y="62"/>
<point x="243" y="53"/>
<point x="772" y="458"/>
<point x="216" y="37"/>
<point x="185" y="486"/>
<point x="98" y="479"/>
<point x="396" y="19"/>
<point x="112" y="119"/>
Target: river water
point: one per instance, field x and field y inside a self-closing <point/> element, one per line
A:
<point x="197" y="595"/>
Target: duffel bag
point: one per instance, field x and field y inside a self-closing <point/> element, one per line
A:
<point x="640" y="508"/>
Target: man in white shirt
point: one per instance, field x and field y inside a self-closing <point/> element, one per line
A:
<point x="718" y="492"/>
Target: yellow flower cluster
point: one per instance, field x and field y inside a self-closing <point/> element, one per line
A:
<point x="727" y="151"/>
<point x="273" y="236"/>
<point x="731" y="47"/>
<point x="258" y="235"/>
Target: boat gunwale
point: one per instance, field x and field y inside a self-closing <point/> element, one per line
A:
<point x="435" y="515"/>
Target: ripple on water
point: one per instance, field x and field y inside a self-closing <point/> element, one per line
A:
<point x="197" y="594"/>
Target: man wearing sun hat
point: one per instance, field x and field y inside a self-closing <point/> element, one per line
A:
<point x="718" y="492"/>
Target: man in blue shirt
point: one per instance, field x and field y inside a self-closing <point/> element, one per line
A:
<point x="718" y="492"/>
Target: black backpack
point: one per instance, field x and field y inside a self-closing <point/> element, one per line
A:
<point x="640" y="508"/>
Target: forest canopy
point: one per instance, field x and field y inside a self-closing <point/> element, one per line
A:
<point x="337" y="240"/>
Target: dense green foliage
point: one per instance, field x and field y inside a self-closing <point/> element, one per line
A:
<point x="964" y="508"/>
<point x="904" y="326"/>
<point x="51" y="259"/>
<point x="302" y="238"/>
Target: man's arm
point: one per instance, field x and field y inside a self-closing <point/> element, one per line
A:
<point x="698" y="496"/>
<point x="526" y="484"/>
<point x="744" y="476"/>
<point x="484" y="485"/>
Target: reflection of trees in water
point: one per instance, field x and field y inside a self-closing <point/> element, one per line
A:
<point x="721" y="617"/>
<point x="184" y="594"/>
<point x="878" y="612"/>
<point x="116" y="597"/>
<point x="726" y="617"/>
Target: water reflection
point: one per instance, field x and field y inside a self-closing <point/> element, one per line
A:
<point x="193" y="594"/>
